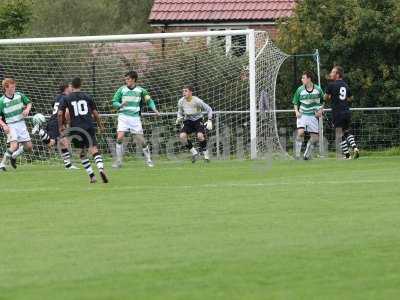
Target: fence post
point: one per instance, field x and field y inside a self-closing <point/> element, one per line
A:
<point x="321" y="120"/>
<point x="94" y="78"/>
<point x="217" y="133"/>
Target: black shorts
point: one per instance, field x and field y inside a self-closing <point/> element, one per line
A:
<point x="190" y="126"/>
<point x="52" y="130"/>
<point x="83" y="138"/>
<point x="342" y="120"/>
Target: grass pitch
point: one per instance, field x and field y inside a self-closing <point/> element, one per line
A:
<point x="225" y="230"/>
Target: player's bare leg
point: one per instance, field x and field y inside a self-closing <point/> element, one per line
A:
<point x="98" y="159"/>
<point x="119" y="150"/>
<point x="299" y="143"/>
<point x="183" y="137"/>
<point x="203" y="146"/>
<point x="140" y="141"/>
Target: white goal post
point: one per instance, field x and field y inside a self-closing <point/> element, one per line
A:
<point x="243" y="81"/>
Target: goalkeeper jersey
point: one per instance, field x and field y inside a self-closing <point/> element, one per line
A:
<point x="134" y="98"/>
<point x="193" y="108"/>
<point x="12" y="108"/>
<point x="309" y="102"/>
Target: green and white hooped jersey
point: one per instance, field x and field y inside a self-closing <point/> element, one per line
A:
<point x="309" y="101"/>
<point x="12" y="109"/>
<point x="133" y="97"/>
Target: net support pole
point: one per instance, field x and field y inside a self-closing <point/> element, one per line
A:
<point x="94" y="78"/>
<point x="253" y="100"/>
<point x="321" y="120"/>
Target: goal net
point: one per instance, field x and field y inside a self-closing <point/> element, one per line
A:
<point x="234" y="72"/>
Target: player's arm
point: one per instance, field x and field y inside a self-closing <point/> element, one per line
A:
<point x="209" y="111"/>
<point x="320" y="111"/>
<point x="4" y="125"/>
<point x="296" y="103"/>
<point x="204" y="106"/>
<point x="67" y="116"/>
<point x="179" y="116"/>
<point x="28" y="105"/>
<point x="327" y="98"/>
<point x="297" y="111"/>
<point x="62" y="110"/>
<point x="96" y="114"/>
<point x="150" y="102"/>
<point x="61" y="119"/>
<point x="117" y="100"/>
<point x="97" y="118"/>
<point x="328" y="94"/>
<point x="349" y="95"/>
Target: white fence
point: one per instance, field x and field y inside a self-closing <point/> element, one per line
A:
<point x="375" y="129"/>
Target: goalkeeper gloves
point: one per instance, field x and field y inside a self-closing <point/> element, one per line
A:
<point x="208" y="125"/>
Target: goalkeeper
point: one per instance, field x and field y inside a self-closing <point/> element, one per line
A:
<point x="190" y="112"/>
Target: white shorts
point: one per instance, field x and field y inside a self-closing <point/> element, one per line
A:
<point x="309" y="123"/>
<point x="18" y="132"/>
<point x="129" y="124"/>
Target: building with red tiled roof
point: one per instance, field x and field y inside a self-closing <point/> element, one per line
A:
<point x="203" y="15"/>
<point x="174" y="15"/>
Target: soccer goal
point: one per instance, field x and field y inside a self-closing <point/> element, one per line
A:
<point x="234" y="71"/>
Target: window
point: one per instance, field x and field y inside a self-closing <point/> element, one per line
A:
<point x="238" y="45"/>
<point x="234" y="45"/>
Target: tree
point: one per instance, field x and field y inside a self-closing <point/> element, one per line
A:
<point x="361" y="35"/>
<point x="132" y="16"/>
<point x="94" y="17"/>
<point x="14" y="17"/>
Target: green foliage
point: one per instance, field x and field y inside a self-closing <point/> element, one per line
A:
<point x="362" y="36"/>
<point x="132" y="15"/>
<point x="92" y="17"/>
<point x="14" y="16"/>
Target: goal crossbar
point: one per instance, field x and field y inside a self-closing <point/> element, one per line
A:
<point x="125" y="37"/>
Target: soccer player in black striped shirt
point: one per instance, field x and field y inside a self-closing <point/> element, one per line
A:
<point x="50" y="134"/>
<point x="82" y="110"/>
<point x="340" y="96"/>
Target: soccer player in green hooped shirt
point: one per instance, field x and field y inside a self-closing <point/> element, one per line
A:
<point x="14" y="107"/>
<point x="308" y="104"/>
<point x="128" y="101"/>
